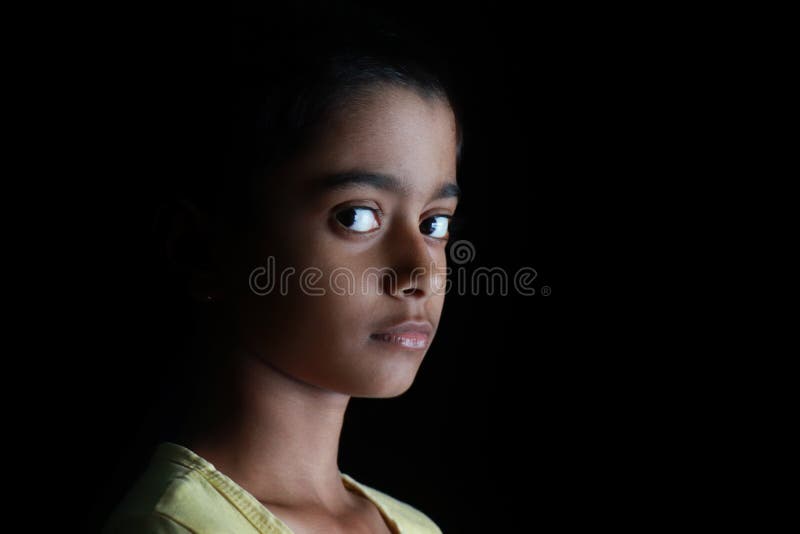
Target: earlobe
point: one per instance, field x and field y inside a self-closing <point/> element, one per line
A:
<point x="188" y="248"/>
<point x="203" y="287"/>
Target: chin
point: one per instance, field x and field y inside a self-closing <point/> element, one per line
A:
<point x="386" y="389"/>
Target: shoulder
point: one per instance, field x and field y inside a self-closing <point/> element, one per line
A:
<point x="156" y="504"/>
<point x="410" y="519"/>
<point x="152" y="523"/>
<point x="172" y="497"/>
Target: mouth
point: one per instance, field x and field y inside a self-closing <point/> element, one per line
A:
<point x="409" y="340"/>
<point x="414" y="335"/>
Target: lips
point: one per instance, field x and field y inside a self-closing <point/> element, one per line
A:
<point x="409" y="334"/>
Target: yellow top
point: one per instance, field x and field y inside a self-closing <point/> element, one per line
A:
<point x="182" y="492"/>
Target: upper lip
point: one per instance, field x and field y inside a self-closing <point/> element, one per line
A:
<point x="424" y="327"/>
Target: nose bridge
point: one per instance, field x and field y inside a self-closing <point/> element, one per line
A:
<point x="411" y="261"/>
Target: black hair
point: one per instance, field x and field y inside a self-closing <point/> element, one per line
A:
<point x="282" y="78"/>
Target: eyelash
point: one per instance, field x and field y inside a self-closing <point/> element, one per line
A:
<point x="380" y="215"/>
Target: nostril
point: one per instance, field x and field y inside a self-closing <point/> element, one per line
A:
<point x="412" y="291"/>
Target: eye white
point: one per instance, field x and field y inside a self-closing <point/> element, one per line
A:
<point x="360" y="219"/>
<point x="439" y="226"/>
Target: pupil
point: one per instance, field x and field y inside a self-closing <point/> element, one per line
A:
<point x="347" y="217"/>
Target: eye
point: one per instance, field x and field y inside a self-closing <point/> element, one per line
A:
<point x="435" y="226"/>
<point x="358" y="219"/>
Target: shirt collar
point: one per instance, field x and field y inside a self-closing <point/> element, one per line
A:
<point x="252" y="508"/>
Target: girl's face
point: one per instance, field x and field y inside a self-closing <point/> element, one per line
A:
<point x="393" y="157"/>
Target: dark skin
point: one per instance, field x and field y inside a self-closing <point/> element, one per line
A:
<point x="292" y="362"/>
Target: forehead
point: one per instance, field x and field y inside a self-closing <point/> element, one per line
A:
<point x="390" y="130"/>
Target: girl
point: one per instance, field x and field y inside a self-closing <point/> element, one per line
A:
<point x="318" y="260"/>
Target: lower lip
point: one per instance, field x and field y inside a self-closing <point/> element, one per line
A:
<point x="408" y="340"/>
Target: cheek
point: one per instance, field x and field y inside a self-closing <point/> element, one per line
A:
<point x="310" y="261"/>
<point x="309" y="309"/>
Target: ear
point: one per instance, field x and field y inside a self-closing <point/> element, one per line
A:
<point x="188" y="244"/>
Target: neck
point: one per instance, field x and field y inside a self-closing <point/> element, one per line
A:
<point x="275" y="436"/>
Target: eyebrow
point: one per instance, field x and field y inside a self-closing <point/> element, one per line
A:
<point x="387" y="182"/>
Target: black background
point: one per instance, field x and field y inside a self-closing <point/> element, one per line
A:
<point x="524" y="412"/>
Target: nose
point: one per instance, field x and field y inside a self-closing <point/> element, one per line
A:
<point x="412" y="267"/>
